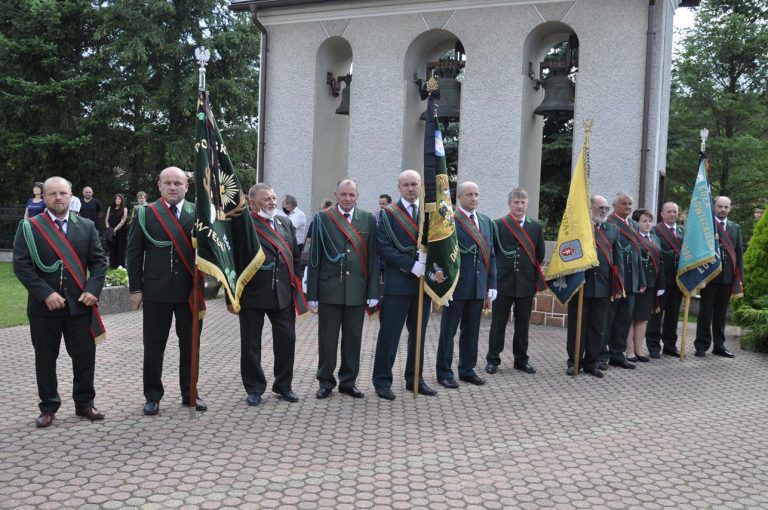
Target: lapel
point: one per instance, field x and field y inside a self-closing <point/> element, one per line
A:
<point x="73" y="229"/>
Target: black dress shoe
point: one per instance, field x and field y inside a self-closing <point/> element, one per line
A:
<point x="674" y="353"/>
<point x="44" y="420"/>
<point x="525" y="367"/>
<point x="288" y="396"/>
<point x="725" y="353"/>
<point x="151" y="408"/>
<point x="352" y="392"/>
<point x="700" y="354"/>
<point x="632" y="359"/>
<point x="451" y="384"/>
<point x="491" y="368"/>
<point x="385" y="393"/>
<point x="569" y="371"/>
<point x="655" y="355"/>
<point x="423" y="389"/>
<point x="622" y="363"/>
<point x="602" y="365"/>
<point x="91" y="413"/>
<point x="199" y="405"/>
<point x="253" y="399"/>
<point x="643" y="359"/>
<point x="595" y="372"/>
<point x="322" y="393"/>
<point x="472" y="379"/>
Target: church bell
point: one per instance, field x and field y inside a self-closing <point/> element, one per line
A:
<point x="559" y="96"/>
<point x="343" y="108"/>
<point x="450" y="101"/>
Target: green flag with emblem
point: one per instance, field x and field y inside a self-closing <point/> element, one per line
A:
<point x="226" y="243"/>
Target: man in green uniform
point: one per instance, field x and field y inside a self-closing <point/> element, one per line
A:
<point x="343" y="278"/>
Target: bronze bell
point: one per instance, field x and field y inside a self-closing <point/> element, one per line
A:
<point x="559" y="96"/>
<point x="343" y="108"/>
<point x="450" y="101"/>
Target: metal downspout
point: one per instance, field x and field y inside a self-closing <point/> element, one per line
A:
<point x="644" y="150"/>
<point x="264" y="51"/>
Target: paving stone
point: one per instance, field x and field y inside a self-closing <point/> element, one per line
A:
<point x="671" y="434"/>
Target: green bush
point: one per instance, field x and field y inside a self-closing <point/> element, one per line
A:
<point x="116" y="277"/>
<point x="752" y="310"/>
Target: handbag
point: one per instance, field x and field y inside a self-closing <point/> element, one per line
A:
<point x="109" y="234"/>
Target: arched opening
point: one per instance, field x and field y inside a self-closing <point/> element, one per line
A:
<point x="331" y="130"/>
<point x="551" y="55"/>
<point x="439" y="53"/>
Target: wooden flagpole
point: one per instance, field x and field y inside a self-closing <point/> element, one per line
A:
<point x="577" y="343"/>
<point x="417" y="349"/>
<point x="195" y="348"/>
<point x="685" y="326"/>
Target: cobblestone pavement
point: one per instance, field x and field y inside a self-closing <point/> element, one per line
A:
<point x="670" y="434"/>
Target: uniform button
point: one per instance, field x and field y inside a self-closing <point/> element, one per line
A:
<point x="347" y="272"/>
<point x="347" y="250"/>
<point x="175" y="272"/>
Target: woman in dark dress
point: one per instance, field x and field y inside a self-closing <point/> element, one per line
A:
<point x="115" y="221"/>
<point x="647" y="302"/>
<point x="36" y="204"/>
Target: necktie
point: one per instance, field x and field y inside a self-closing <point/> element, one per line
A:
<point x="414" y="212"/>
<point x="346" y="217"/>
<point x="60" y="224"/>
<point x="674" y="231"/>
<point x="472" y="217"/>
<point x="175" y="211"/>
<point x="272" y="224"/>
<point x="722" y="224"/>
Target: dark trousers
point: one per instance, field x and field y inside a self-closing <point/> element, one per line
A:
<point x="397" y="311"/>
<point x="502" y="307"/>
<point x="593" y="326"/>
<point x="712" y="311"/>
<point x="466" y="312"/>
<point x="617" y="329"/>
<point x="663" y="325"/>
<point x="349" y="319"/>
<point x="283" y="346"/>
<point x="46" y="335"/>
<point x="157" y="326"/>
<point x="117" y="249"/>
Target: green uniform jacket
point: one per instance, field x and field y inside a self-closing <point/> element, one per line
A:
<point x="669" y="252"/>
<point x="158" y="272"/>
<point x="633" y="276"/>
<point x="335" y="272"/>
<point x="515" y="273"/>
<point x="597" y="280"/>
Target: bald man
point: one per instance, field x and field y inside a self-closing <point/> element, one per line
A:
<point x="61" y="301"/>
<point x="396" y="236"/>
<point x="160" y="262"/>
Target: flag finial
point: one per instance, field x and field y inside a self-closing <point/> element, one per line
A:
<point x="704" y="135"/>
<point x="202" y="55"/>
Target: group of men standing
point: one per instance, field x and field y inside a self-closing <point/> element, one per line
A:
<point x="500" y="270"/>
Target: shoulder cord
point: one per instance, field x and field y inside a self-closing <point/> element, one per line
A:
<point x="142" y="223"/>
<point x="30" y="239"/>
<point x="319" y="233"/>
<point x="510" y="254"/>
<point x="411" y="250"/>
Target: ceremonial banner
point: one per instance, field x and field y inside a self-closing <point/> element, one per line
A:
<point x="700" y="257"/>
<point x="227" y="245"/>
<point x="575" y="250"/>
<point x="437" y="222"/>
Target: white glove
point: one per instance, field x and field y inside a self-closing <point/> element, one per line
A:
<point x="492" y="293"/>
<point x="422" y="258"/>
<point x="660" y="292"/>
<point x="372" y="303"/>
<point x="418" y="269"/>
<point x="304" y="280"/>
<point x="313" y="305"/>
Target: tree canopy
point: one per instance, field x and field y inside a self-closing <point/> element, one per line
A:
<point x="104" y="93"/>
<point x="720" y="82"/>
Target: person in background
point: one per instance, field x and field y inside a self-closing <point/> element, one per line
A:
<point x="141" y="201"/>
<point x="91" y="207"/>
<point x="36" y="204"/>
<point x="384" y="201"/>
<point x="297" y="217"/>
<point x="116" y="232"/>
<point x="74" y="206"/>
<point x="646" y="303"/>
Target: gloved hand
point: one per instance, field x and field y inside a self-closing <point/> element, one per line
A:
<point x="313" y="306"/>
<point x="492" y="293"/>
<point x="304" y="280"/>
<point x="418" y="269"/>
<point x="422" y="258"/>
<point x="660" y="292"/>
<point x="372" y="303"/>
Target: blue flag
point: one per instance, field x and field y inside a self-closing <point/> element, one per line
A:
<point x="700" y="256"/>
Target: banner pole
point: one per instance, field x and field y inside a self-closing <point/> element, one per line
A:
<point x="417" y="349"/>
<point x="577" y="343"/>
<point x="685" y="326"/>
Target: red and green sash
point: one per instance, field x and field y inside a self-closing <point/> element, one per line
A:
<point x="730" y="249"/>
<point x="351" y="233"/>
<point x="529" y="248"/>
<point x="605" y="246"/>
<point x="626" y="230"/>
<point x="476" y="235"/>
<point x="273" y="237"/>
<point x="406" y="222"/>
<point x="672" y="240"/>
<point x="183" y="246"/>
<point x="63" y="249"/>
<point x="653" y="252"/>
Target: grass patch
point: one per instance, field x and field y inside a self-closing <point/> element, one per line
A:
<point x="13" y="298"/>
